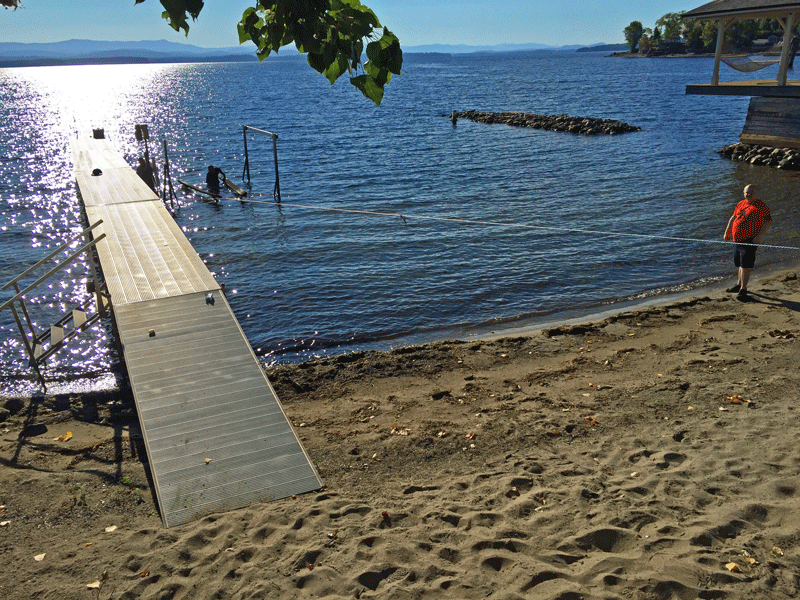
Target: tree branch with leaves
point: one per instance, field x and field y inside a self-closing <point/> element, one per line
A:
<point x="334" y="34"/>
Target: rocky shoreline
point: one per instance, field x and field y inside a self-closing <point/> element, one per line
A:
<point x="780" y="158"/>
<point x="582" y="125"/>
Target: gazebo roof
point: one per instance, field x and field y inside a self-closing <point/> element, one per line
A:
<point x="746" y="9"/>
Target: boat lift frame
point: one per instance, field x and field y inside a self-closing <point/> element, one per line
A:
<point x="34" y="342"/>
<point x="276" y="192"/>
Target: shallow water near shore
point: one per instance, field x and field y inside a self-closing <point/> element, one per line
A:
<point x="501" y="225"/>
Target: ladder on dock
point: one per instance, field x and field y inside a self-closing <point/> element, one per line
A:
<point x="216" y="435"/>
<point x="40" y="345"/>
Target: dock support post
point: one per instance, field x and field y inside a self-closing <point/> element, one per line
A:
<point x="27" y="316"/>
<point x="166" y="173"/>
<point x="167" y="178"/>
<point x="246" y="156"/>
<point x="142" y="134"/>
<point x="30" y="349"/>
<point x="277" y="191"/>
<point x="98" y="296"/>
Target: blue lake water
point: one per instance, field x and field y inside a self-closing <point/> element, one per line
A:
<point x="533" y="214"/>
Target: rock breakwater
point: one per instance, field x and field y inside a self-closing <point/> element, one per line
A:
<point x="780" y="158"/>
<point x="583" y="125"/>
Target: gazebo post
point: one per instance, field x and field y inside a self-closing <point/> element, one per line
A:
<point x="787" y="42"/>
<point x="721" y="28"/>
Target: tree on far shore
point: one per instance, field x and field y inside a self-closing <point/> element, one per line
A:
<point x="672" y="24"/>
<point x="645" y="42"/>
<point x="700" y="36"/>
<point x="633" y="33"/>
<point x="656" y="37"/>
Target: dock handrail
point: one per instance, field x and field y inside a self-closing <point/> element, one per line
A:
<point x="53" y="271"/>
<point x="34" y="344"/>
<point x="50" y="256"/>
<point x="274" y="135"/>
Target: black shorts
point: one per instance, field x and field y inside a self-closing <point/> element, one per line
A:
<point x="745" y="256"/>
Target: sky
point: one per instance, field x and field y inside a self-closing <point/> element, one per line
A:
<point x="415" y="22"/>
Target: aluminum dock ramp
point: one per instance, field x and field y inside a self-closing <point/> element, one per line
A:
<point x="216" y="435"/>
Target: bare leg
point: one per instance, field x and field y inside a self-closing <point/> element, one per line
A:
<point x="744" y="277"/>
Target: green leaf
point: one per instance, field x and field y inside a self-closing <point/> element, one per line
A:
<point x="336" y="69"/>
<point x="331" y="32"/>
<point x="250" y="26"/>
<point x="355" y="7"/>
<point x="386" y="52"/>
<point x="368" y="87"/>
<point x="316" y="62"/>
<point x="379" y="75"/>
<point x="177" y="11"/>
<point x="176" y="25"/>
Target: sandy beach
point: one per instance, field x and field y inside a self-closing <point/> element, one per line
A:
<point x="651" y="454"/>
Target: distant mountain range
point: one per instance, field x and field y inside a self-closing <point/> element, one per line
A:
<point x="92" y="51"/>
<point x="99" y="52"/>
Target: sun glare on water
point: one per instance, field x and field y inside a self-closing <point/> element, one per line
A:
<point x="84" y="97"/>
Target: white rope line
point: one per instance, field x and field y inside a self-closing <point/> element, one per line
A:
<point x="501" y="224"/>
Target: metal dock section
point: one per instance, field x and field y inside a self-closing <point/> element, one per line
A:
<point x="216" y="435"/>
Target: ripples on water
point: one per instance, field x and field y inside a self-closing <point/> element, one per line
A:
<point x="306" y="282"/>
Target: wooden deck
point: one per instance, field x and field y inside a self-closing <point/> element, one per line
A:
<point x="767" y="88"/>
<point x="216" y="435"/>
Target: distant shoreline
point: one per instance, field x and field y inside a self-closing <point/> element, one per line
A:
<point x="237" y="58"/>
<point x="122" y="60"/>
